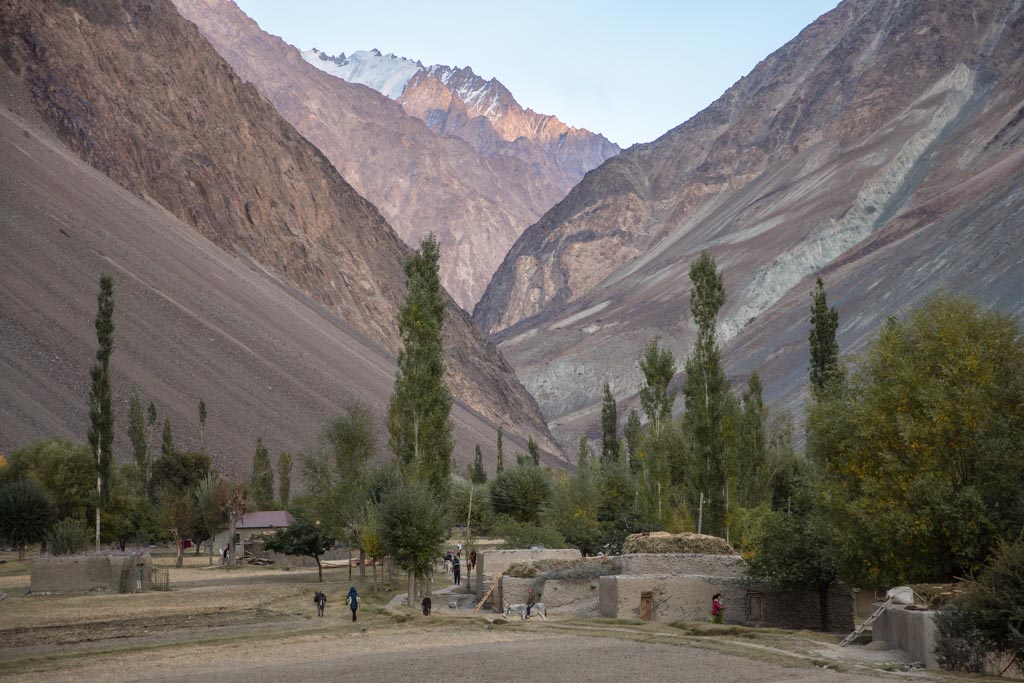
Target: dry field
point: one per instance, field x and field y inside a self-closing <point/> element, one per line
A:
<point x="258" y="623"/>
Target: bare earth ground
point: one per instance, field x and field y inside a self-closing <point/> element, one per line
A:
<point x="258" y="624"/>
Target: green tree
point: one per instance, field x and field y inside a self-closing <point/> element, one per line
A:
<point x="921" y="445"/>
<point x="583" y="453"/>
<point x="419" y="415"/>
<point x="521" y="492"/>
<point x="180" y="471"/>
<point x="632" y="432"/>
<point x="137" y="436"/>
<point x="824" y="365"/>
<point x="413" y="527"/>
<point x="501" y="451"/>
<point x="69" y="537"/>
<point x="65" y="469"/>
<point x="26" y="514"/>
<point x="351" y="438"/>
<point x="176" y="512"/>
<point x="534" y="451"/>
<point x="210" y="496"/>
<point x="707" y="398"/>
<point x="479" y="517"/>
<point x="262" y="483"/>
<point x="284" y="478"/>
<point x="101" y="402"/>
<point x="658" y="366"/>
<point x="479" y="474"/>
<point x="609" y="427"/>
<point x="202" y="425"/>
<point x="167" y="442"/>
<point x="752" y="478"/>
<point x="305" y="537"/>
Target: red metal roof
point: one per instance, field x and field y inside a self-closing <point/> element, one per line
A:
<point x="267" y="519"/>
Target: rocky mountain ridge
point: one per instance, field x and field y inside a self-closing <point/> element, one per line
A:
<point x="142" y="96"/>
<point x="881" y="146"/>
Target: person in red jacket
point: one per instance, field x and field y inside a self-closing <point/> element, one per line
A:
<point x="717" y="608"/>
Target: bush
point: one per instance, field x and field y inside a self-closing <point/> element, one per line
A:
<point x="26" y="514"/>
<point x="523" y="535"/>
<point x="69" y="536"/>
<point x="988" y="619"/>
<point x="521" y="492"/>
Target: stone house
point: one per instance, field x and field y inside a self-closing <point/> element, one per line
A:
<point x="254" y="524"/>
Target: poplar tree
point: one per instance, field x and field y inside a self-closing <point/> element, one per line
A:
<point x="284" y="478"/>
<point x="419" y="414"/>
<point x="531" y="446"/>
<point x="583" y="457"/>
<point x="202" y="425"/>
<point x="658" y="366"/>
<point x="632" y="432"/>
<point x="479" y="475"/>
<point x="101" y="402"/>
<point x="707" y="398"/>
<point x="262" y="477"/>
<point x="501" y="452"/>
<point x="753" y="480"/>
<point x="167" y="442"/>
<point x="137" y="436"/>
<point x="610" y="446"/>
<point x="824" y="367"/>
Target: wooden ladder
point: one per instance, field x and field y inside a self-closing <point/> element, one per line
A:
<point x="867" y="622"/>
<point x="494" y="584"/>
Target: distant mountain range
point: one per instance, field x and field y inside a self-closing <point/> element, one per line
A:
<point x="882" y="148"/>
<point x="423" y="179"/>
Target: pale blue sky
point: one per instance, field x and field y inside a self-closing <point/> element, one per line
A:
<point x="629" y="70"/>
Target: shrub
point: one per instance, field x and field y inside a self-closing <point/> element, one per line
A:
<point x="26" y="514"/>
<point x="521" y="492"/>
<point x="523" y="535"/>
<point x="69" y="536"/>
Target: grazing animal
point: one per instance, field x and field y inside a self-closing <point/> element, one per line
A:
<point x="426" y="607"/>
<point x="320" y="600"/>
<point x="538" y="610"/>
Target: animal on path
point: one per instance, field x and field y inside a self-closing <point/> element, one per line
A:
<point x="538" y="610"/>
<point x="426" y="607"/>
<point x="320" y="600"/>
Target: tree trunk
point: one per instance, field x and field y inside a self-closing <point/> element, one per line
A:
<point x="319" y="568"/>
<point x="232" y="520"/>
<point x="179" y="545"/>
<point x="210" y="551"/>
<point x="362" y="566"/>
<point x="411" y="597"/>
<point x="350" y="564"/>
<point x="21" y="553"/>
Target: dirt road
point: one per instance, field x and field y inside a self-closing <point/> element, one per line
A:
<point x="418" y="655"/>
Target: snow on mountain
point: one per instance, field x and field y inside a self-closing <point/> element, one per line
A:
<point x="387" y="74"/>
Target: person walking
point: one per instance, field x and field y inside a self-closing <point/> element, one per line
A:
<point x="531" y="600"/>
<point x="717" y="609"/>
<point x="352" y="600"/>
<point x="457" y="570"/>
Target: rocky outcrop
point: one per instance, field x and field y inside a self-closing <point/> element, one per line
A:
<point x="875" y="148"/>
<point x="139" y="94"/>
<point x="421" y="181"/>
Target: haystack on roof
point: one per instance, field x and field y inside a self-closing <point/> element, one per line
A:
<point x="661" y="542"/>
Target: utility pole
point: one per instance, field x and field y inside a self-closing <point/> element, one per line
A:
<point x="700" y="513"/>
<point x="469" y="516"/>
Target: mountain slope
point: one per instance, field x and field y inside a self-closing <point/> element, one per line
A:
<point x="421" y="181"/>
<point x="883" y="122"/>
<point x="140" y="95"/>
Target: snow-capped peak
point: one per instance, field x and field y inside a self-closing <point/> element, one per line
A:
<point x="386" y="74"/>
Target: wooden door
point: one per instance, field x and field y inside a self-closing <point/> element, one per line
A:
<point x="647" y="606"/>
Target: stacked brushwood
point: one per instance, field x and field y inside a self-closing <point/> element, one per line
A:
<point x="661" y="542"/>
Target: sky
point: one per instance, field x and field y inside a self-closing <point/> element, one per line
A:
<point x="630" y="70"/>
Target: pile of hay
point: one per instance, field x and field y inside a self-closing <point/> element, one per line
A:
<point x="522" y="570"/>
<point x="661" y="542"/>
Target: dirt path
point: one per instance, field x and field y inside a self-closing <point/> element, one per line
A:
<point x="453" y="654"/>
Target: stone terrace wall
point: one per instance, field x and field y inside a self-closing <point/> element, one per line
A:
<point x="490" y="563"/>
<point x="89" y="573"/>
<point x="800" y="609"/>
<point x="912" y="631"/>
<point x="680" y="563"/>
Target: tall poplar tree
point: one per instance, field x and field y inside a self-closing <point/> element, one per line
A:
<point x="632" y="432"/>
<point x="752" y="478"/>
<point x="101" y="402"/>
<point x="658" y="366"/>
<point x="167" y="441"/>
<point x="202" y="425"/>
<point x="501" y="452"/>
<point x="534" y="451"/>
<point x="824" y="367"/>
<point x="284" y="479"/>
<point x="610" y="446"/>
<point x="262" y="486"/>
<point x="419" y="415"/>
<point x="137" y="436"/>
<point x="479" y="475"/>
<point x="707" y="398"/>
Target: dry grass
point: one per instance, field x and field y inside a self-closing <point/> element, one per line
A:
<point x="662" y="543"/>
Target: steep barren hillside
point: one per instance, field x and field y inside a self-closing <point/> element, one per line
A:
<point x="140" y="95"/>
<point x="878" y="147"/>
<point x="420" y="180"/>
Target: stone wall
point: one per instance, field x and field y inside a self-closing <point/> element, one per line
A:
<point x="92" y="573"/>
<point x="688" y="598"/>
<point x="490" y="563"/>
<point x="679" y="563"/>
<point x="570" y="597"/>
<point x="912" y="631"/>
